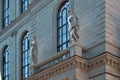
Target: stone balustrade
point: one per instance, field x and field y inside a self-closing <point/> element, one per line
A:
<point x="63" y="62"/>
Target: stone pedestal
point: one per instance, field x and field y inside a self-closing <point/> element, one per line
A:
<point x="32" y="69"/>
<point x="76" y="49"/>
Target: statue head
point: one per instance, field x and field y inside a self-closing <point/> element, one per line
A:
<point x="69" y="11"/>
<point x="33" y="38"/>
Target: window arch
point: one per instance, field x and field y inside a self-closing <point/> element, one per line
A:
<point x="6" y="63"/>
<point x="63" y="39"/>
<point x="25" y="55"/>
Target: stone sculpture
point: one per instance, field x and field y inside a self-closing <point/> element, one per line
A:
<point x="33" y="50"/>
<point x="73" y="27"/>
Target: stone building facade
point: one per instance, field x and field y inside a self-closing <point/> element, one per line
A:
<point x="96" y="56"/>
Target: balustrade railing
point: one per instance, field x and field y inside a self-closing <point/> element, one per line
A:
<point x="59" y="57"/>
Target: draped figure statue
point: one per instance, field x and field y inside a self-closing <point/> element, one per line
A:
<point x="33" y="50"/>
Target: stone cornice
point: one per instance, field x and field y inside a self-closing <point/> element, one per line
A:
<point x="104" y="59"/>
<point x="62" y="67"/>
<point x="112" y="60"/>
<point x="78" y="62"/>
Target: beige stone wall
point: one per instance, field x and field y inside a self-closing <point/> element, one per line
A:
<point x="112" y="73"/>
<point x="111" y="77"/>
<point x="81" y="74"/>
<point x="91" y="14"/>
<point x="8" y="42"/>
<point x="40" y="21"/>
<point x="12" y="10"/>
<point x="43" y="29"/>
<point x="113" y="26"/>
<point x="31" y="20"/>
<point x="97" y="73"/>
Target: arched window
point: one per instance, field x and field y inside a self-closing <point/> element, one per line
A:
<point x="63" y="39"/>
<point x="24" y="5"/>
<point x="25" y="56"/>
<point x="5" y="13"/>
<point x="6" y="63"/>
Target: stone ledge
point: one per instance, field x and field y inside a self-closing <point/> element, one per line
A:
<point x="78" y="62"/>
<point x="104" y="59"/>
<point x="62" y="67"/>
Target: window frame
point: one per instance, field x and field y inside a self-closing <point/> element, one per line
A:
<point x="25" y="56"/>
<point x="5" y="13"/>
<point x="61" y="32"/>
<point x="6" y="68"/>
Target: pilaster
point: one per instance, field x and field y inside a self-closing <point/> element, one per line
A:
<point x="76" y="49"/>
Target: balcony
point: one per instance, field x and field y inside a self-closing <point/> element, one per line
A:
<point x="65" y="61"/>
<point x="58" y="63"/>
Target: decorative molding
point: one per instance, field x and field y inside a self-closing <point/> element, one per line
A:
<point x="62" y="67"/>
<point x="77" y="62"/>
<point x="104" y="59"/>
<point x="14" y="34"/>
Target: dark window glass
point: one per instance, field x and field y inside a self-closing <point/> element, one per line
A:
<point x="6" y="64"/>
<point x="63" y="39"/>
<point x="25" y="56"/>
<point x="24" y="5"/>
<point x="5" y="13"/>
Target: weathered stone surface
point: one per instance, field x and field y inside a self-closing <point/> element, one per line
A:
<point x="99" y="32"/>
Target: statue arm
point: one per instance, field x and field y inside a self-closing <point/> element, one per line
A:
<point x="76" y="17"/>
<point x="68" y="20"/>
<point x="76" y="21"/>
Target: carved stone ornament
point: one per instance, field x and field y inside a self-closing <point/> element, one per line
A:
<point x="33" y="50"/>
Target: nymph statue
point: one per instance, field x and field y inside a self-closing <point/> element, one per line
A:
<point x="73" y="27"/>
